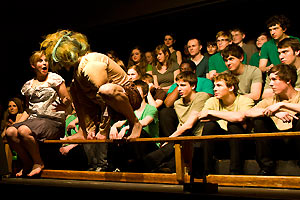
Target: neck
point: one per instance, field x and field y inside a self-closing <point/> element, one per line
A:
<point x="41" y="78"/>
<point x="297" y="63"/>
<point x="143" y="105"/>
<point x="288" y="94"/>
<point x="281" y="38"/>
<point x="239" y="70"/>
<point x="189" y="97"/>
<point x="241" y="44"/>
<point x="197" y="57"/>
<point x="229" y="99"/>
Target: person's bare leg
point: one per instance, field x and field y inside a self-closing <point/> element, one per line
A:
<point x="15" y="144"/>
<point x="32" y="147"/>
<point x="114" y="96"/>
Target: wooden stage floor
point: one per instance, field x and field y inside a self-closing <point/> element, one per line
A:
<point x="58" y="188"/>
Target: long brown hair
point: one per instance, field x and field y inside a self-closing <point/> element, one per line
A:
<point x="167" y="54"/>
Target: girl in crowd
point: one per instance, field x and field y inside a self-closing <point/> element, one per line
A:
<point x="138" y="58"/>
<point x="12" y="115"/>
<point x="166" y="70"/>
<point x="175" y="55"/>
<point x="47" y="98"/>
<point x="134" y="73"/>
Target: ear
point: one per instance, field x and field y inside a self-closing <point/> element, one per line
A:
<point x="33" y="66"/>
<point x="242" y="58"/>
<point x="297" y="53"/>
<point x="194" y="87"/>
<point x="231" y="89"/>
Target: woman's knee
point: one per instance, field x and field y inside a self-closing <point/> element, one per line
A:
<point x="24" y="131"/>
<point x="11" y="132"/>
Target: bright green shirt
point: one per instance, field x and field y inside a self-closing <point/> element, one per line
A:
<point x="217" y="63"/>
<point x="68" y="120"/>
<point x="153" y="128"/>
<point x="269" y="51"/>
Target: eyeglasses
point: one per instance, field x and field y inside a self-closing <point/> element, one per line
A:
<point x="222" y="40"/>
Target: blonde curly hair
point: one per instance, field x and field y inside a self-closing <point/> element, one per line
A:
<point x="64" y="47"/>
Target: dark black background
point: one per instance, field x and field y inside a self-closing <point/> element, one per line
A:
<point x="120" y="25"/>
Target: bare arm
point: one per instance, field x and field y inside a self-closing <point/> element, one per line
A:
<point x="176" y="72"/>
<point x="228" y="116"/>
<point x="179" y="57"/>
<point x="263" y="64"/>
<point x="255" y="112"/>
<point x="255" y="91"/>
<point x="193" y="118"/>
<point x="155" y="81"/>
<point x="64" y="96"/>
<point x="171" y="97"/>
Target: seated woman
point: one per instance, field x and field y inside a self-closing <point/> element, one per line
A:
<point x="166" y="70"/>
<point x="47" y="97"/>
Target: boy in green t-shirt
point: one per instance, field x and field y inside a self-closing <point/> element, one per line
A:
<point x="277" y="25"/>
<point x="216" y="63"/>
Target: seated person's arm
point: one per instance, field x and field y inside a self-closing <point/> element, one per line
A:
<point x="171" y="98"/>
<point x="192" y="119"/>
<point x="255" y="91"/>
<point x="255" y="112"/>
<point x="228" y="116"/>
<point x="146" y="121"/>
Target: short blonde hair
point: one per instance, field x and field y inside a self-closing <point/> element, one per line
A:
<point x="35" y="57"/>
<point x="64" y="47"/>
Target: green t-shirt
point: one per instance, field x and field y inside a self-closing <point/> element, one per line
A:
<point x="254" y="61"/>
<point x="269" y="51"/>
<point x="217" y="63"/>
<point x="153" y="128"/>
<point x="68" y="120"/>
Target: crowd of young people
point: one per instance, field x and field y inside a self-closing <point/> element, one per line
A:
<point x="237" y="88"/>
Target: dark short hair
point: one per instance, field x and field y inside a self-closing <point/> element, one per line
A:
<point x="232" y="50"/>
<point x="282" y="20"/>
<point x="191" y="63"/>
<point x="189" y="77"/>
<point x="143" y="85"/>
<point x="289" y="42"/>
<point x="285" y="72"/>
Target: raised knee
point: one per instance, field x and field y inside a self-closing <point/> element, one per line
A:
<point x="24" y="131"/>
<point x="109" y="89"/>
<point x="11" y="132"/>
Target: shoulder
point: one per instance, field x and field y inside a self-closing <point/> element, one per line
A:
<point x="269" y="44"/>
<point x="204" y="81"/>
<point x="151" y="108"/>
<point x="215" y="56"/>
<point x="26" y="87"/>
<point x="243" y="102"/>
<point x="212" y="104"/>
<point x="97" y="57"/>
<point x="54" y="79"/>
<point x="252" y="69"/>
<point x="202" y="96"/>
<point x="243" y="98"/>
